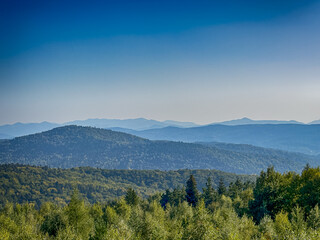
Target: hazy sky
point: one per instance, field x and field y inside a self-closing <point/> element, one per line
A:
<point x="201" y="61"/>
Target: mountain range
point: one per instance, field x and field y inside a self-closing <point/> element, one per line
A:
<point x="246" y="121"/>
<point x="20" y="129"/>
<point x="139" y="124"/>
<point x="75" y="146"/>
<point x="288" y="137"/>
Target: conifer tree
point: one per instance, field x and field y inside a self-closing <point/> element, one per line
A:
<point x="313" y="219"/>
<point x="192" y="195"/>
<point x="131" y="197"/>
<point x="222" y="190"/>
<point x="208" y="193"/>
<point x="165" y="198"/>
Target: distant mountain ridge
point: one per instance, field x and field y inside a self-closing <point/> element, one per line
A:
<point x="315" y="122"/>
<point x="288" y="137"/>
<point x="134" y="124"/>
<point x="138" y="124"/>
<point x="74" y="146"/>
<point x="21" y="129"/>
<point x="247" y="121"/>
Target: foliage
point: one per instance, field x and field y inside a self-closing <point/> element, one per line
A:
<point x="275" y="192"/>
<point x="211" y="218"/>
<point x="131" y="197"/>
<point x="192" y="195"/>
<point x="20" y="184"/>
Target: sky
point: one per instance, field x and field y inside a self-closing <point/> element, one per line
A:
<point x="200" y="61"/>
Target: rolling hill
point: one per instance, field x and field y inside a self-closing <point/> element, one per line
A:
<point x="288" y="137"/>
<point x="74" y="146"/>
<point x="19" y="183"/>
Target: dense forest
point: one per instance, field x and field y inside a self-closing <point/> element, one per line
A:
<point x="74" y="146"/>
<point x="20" y="184"/>
<point x="277" y="206"/>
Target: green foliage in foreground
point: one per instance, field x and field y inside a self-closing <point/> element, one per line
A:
<point x="170" y="216"/>
<point x="20" y="184"/>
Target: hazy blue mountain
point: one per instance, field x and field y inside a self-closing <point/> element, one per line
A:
<point x="180" y="124"/>
<point x="74" y="146"/>
<point x="289" y="137"/>
<point x="246" y="121"/>
<point x="134" y="124"/>
<point x="125" y="125"/>
<point x="21" y="129"/>
<point x="315" y="122"/>
<point x="5" y="136"/>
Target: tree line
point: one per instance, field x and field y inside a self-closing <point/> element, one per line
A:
<point x="22" y="183"/>
<point x="277" y="206"/>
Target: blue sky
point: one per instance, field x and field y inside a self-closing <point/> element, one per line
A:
<point x="201" y="61"/>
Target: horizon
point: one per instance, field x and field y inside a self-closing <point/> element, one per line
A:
<point x="199" y="124"/>
<point x="198" y="62"/>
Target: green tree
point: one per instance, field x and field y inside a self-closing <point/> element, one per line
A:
<point x="235" y="188"/>
<point x="165" y="198"/>
<point x="282" y="226"/>
<point x="310" y="188"/>
<point x="153" y="224"/>
<point x="123" y="209"/>
<point x="209" y="194"/>
<point x="298" y="223"/>
<point x="273" y="193"/>
<point x="313" y="219"/>
<point x="54" y="222"/>
<point x="131" y="197"/>
<point x="200" y="226"/>
<point x="192" y="194"/>
<point x="78" y="217"/>
<point x="100" y="226"/>
<point x="222" y="190"/>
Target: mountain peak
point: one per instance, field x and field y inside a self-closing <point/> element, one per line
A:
<point x="246" y="121"/>
<point x="86" y="133"/>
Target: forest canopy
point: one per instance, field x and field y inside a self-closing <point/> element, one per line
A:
<point x="21" y="183"/>
<point x="277" y="206"/>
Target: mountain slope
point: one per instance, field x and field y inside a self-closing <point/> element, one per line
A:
<point x="20" y="183"/>
<point x="5" y="136"/>
<point x="73" y="146"/>
<point x="289" y="137"/>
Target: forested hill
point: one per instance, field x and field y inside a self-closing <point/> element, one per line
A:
<point x="74" y="146"/>
<point x="289" y="137"/>
<point x="19" y="183"/>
